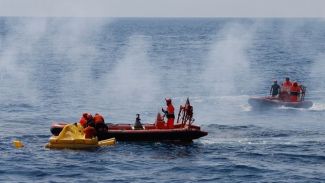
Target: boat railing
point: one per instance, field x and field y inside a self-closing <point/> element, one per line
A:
<point x="185" y="114"/>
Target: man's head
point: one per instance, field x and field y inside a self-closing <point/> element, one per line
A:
<point x="85" y="115"/>
<point x="168" y="101"/>
<point x="295" y="84"/>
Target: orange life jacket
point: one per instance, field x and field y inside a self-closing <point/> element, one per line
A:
<point x="286" y="86"/>
<point x="294" y="93"/>
<point x="83" y="121"/>
<point x="295" y="90"/>
<point x="170" y="116"/>
<point x="90" y="132"/>
<point x="159" y="122"/>
<point x="170" y="110"/>
<point x="170" y="122"/>
<point x="98" y="119"/>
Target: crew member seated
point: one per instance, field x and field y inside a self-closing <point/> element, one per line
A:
<point x="137" y="123"/>
<point x="83" y="120"/>
<point x="160" y="124"/>
<point x="100" y="125"/>
<point x="295" y="91"/>
<point x="98" y="118"/>
<point x="90" y="120"/>
<point x="90" y="132"/>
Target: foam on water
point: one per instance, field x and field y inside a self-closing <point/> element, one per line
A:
<point x="318" y="107"/>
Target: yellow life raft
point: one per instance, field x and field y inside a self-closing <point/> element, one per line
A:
<point x="73" y="137"/>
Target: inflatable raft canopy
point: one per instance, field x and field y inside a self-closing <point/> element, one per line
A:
<point x="73" y="137"/>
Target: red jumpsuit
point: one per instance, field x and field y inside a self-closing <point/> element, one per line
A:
<point x="294" y="93"/>
<point x="170" y="116"/>
<point x="83" y="121"/>
<point x="98" y="119"/>
<point x="286" y="86"/>
<point x="90" y="132"/>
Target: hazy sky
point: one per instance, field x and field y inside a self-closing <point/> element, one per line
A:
<point x="164" y="8"/>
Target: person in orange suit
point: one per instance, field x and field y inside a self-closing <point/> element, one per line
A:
<point x="98" y="119"/>
<point x="169" y="113"/>
<point x="83" y="120"/>
<point x="99" y="123"/>
<point x="90" y="132"/>
<point x="160" y="124"/>
<point x="286" y="85"/>
<point x="294" y="92"/>
<point x="90" y="120"/>
<point x="285" y="90"/>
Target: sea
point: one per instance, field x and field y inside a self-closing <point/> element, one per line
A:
<point x="54" y="69"/>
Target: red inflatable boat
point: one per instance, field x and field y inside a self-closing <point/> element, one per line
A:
<point x="262" y="102"/>
<point x="183" y="130"/>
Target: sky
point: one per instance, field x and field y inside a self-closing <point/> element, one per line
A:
<point x="163" y="8"/>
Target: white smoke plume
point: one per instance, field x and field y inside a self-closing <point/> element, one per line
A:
<point x="228" y="67"/>
<point x="133" y="83"/>
<point x="17" y="50"/>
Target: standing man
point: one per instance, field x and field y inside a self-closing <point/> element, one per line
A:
<point x="285" y="90"/>
<point x="169" y="113"/>
<point x="275" y="89"/>
<point x="286" y="85"/>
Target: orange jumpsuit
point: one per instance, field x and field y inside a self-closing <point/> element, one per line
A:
<point x="90" y="132"/>
<point x="159" y="122"/>
<point x="98" y="119"/>
<point x="286" y="86"/>
<point x="83" y="121"/>
<point x="294" y="93"/>
<point x="170" y="116"/>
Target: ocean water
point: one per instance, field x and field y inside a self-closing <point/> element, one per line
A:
<point x="54" y="69"/>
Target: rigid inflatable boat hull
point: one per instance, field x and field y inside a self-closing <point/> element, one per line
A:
<point x="182" y="134"/>
<point x="125" y="132"/>
<point x="262" y="102"/>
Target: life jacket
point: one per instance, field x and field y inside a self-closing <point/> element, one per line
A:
<point x="83" y="121"/>
<point x="286" y="86"/>
<point x="98" y="118"/>
<point x="159" y="122"/>
<point x="90" y="132"/>
<point x="295" y="90"/>
<point x="170" y="122"/>
<point x="170" y="111"/>
<point x="90" y="120"/>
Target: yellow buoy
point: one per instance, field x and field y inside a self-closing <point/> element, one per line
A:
<point x="17" y="144"/>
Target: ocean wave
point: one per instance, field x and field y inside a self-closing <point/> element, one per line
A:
<point x="318" y="107"/>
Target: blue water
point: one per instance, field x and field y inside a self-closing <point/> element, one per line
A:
<point x="54" y="69"/>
